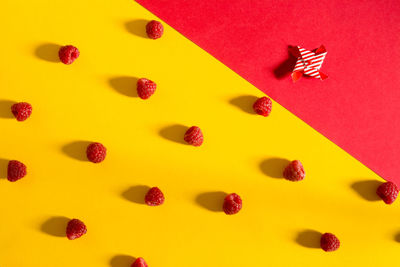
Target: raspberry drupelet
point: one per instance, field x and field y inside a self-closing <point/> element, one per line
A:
<point x="232" y="204"/>
<point x="75" y="229"/>
<point x="145" y="88"/>
<point x="154" y="197"/>
<point x="96" y="152"/>
<point x="194" y="136"/>
<point x="16" y="170"/>
<point x="154" y="29"/>
<point x="21" y="111"/>
<point x="388" y="192"/>
<point x="329" y="242"/>
<point x="68" y="54"/>
<point x="139" y="262"/>
<point x="294" y="171"/>
<point x="263" y="106"/>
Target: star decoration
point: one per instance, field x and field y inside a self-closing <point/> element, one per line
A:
<point x="308" y="63"/>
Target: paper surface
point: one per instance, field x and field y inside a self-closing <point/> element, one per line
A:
<point x="94" y="100"/>
<point x="357" y="107"/>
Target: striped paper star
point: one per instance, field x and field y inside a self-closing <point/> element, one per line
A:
<point x="309" y="63"/>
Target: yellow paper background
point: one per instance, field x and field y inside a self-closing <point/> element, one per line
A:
<point x="93" y="100"/>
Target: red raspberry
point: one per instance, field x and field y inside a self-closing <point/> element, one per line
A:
<point x="154" y="29"/>
<point x="16" y="170"/>
<point x="145" y="88"/>
<point x="388" y="192"/>
<point x="232" y="204"/>
<point x="139" y="262"/>
<point x="68" y="54"/>
<point x="21" y="111"/>
<point x="154" y="197"/>
<point x="75" y="229"/>
<point x="96" y="152"/>
<point x="329" y="242"/>
<point x="294" y="171"/>
<point x="263" y="106"/>
<point x="194" y="136"/>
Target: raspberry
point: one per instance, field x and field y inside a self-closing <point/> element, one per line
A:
<point x="75" y="229"/>
<point x="294" y="171"/>
<point x="194" y="136"/>
<point x="139" y="262"/>
<point x="21" y="111"/>
<point x="68" y="54"/>
<point x="145" y="88"/>
<point x="263" y="106"/>
<point x="232" y="204"/>
<point x="96" y="152"/>
<point x="388" y="192"/>
<point x="154" y="29"/>
<point x="16" y="170"/>
<point x="154" y="197"/>
<point x="329" y="242"/>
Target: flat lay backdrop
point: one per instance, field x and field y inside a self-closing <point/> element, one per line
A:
<point x="357" y="107"/>
<point x="94" y="100"/>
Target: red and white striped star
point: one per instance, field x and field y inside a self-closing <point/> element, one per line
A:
<point x="309" y="63"/>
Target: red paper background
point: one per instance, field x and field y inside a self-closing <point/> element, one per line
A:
<point x="357" y="107"/>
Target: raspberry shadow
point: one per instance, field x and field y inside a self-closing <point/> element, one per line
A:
<point x="5" y="109"/>
<point x="136" y="193"/>
<point x="309" y="238"/>
<point x="76" y="150"/>
<point x="55" y="226"/>
<point x="367" y="189"/>
<point x="273" y="167"/>
<point x="137" y="27"/>
<point x="212" y="201"/>
<point x="397" y="237"/>
<point x="174" y="133"/>
<point x="244" y="103"/>
<point x="3" y="168"/>
<point x="48" y="52"/>
<point x="122" y="261"/>
<point x="125" y="85"/>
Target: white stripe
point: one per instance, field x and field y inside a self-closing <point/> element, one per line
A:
<point x="309" y="57"/>
<point x="310" y="71"/>
<point x="319" y="59"/>
<point x="315" y="66"/>
<point x="299" y="68"/>
<point x="312" y="74"/>
<point x="307" y="54"/>
<point x="323" y="54"/>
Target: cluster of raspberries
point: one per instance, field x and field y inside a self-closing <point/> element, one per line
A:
<point x="232" y="204"/>
<point x="96" y="152"/>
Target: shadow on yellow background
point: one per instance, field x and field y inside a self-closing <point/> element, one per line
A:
<point x="309" y="239"/>
<point x="5" y="109"/>
<point x="137" y="27"/>
<point x="94" y="100"/>
<point x="48" y="52"/>
<point x="211" y="201"/>
<point x="55" y="226"/>
<point x="136" y="193"/>
<point x="76" y="150"/>
<point x="244" y="103"/>
<point x="125" y="85"/>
